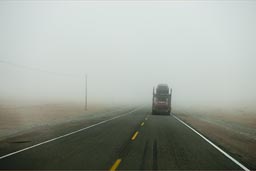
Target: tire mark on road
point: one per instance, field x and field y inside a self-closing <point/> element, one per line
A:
<point x="155" y="155"/>
<point x="144" y="156"/>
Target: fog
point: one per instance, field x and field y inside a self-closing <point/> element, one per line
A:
<point x="204" y="50"/>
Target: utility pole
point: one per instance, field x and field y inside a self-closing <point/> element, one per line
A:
<point x="85" y="95"/>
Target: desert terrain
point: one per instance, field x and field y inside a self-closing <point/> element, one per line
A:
<point x="17" y="118"/>
<point x="233" y="130"/>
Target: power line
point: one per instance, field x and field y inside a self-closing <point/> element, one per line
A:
<point x="37" y="69"/>
<point x="49" y="72"/>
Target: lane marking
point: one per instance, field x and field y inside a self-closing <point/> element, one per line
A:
<point x="142" y="124"/>
<point x="215" y="146"/>
<point x="68" y="134"/>
<point x="115" y="165"/>
<point x="135" y="135"/>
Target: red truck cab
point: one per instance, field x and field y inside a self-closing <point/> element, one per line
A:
<point x="161" y="102"/>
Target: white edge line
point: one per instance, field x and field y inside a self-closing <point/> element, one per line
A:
<point x="215" y="146"/>
<point x="65" y="135"/>
<point x="93" y="113"/>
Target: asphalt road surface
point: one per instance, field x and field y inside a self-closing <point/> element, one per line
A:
<point x="125" y="139"/>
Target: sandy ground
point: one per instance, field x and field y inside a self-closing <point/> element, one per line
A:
<point x="232" y="130"/>
<point x="16" y="119"/>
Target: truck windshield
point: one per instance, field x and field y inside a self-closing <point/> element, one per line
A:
<point x="162" y="98"/>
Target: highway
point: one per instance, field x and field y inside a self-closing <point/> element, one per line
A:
<point x="127" y="139"/>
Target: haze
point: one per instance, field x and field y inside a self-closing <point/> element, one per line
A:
<point x="205" y="51"/>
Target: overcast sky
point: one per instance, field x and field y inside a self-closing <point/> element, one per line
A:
<point x="205" y="50"/>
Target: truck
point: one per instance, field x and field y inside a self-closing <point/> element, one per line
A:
<point x="161" y="101"/>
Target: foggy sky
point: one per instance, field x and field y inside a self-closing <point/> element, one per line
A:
<point x="204" y="50"/>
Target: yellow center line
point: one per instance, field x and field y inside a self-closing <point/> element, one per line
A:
<point x="135" y="135"/>
<point x="142" y="124"/>
<point x="115" y="165"/>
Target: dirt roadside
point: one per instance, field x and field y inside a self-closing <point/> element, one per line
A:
<point x="15" y="120"/>
<point x="235" y="133"/>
